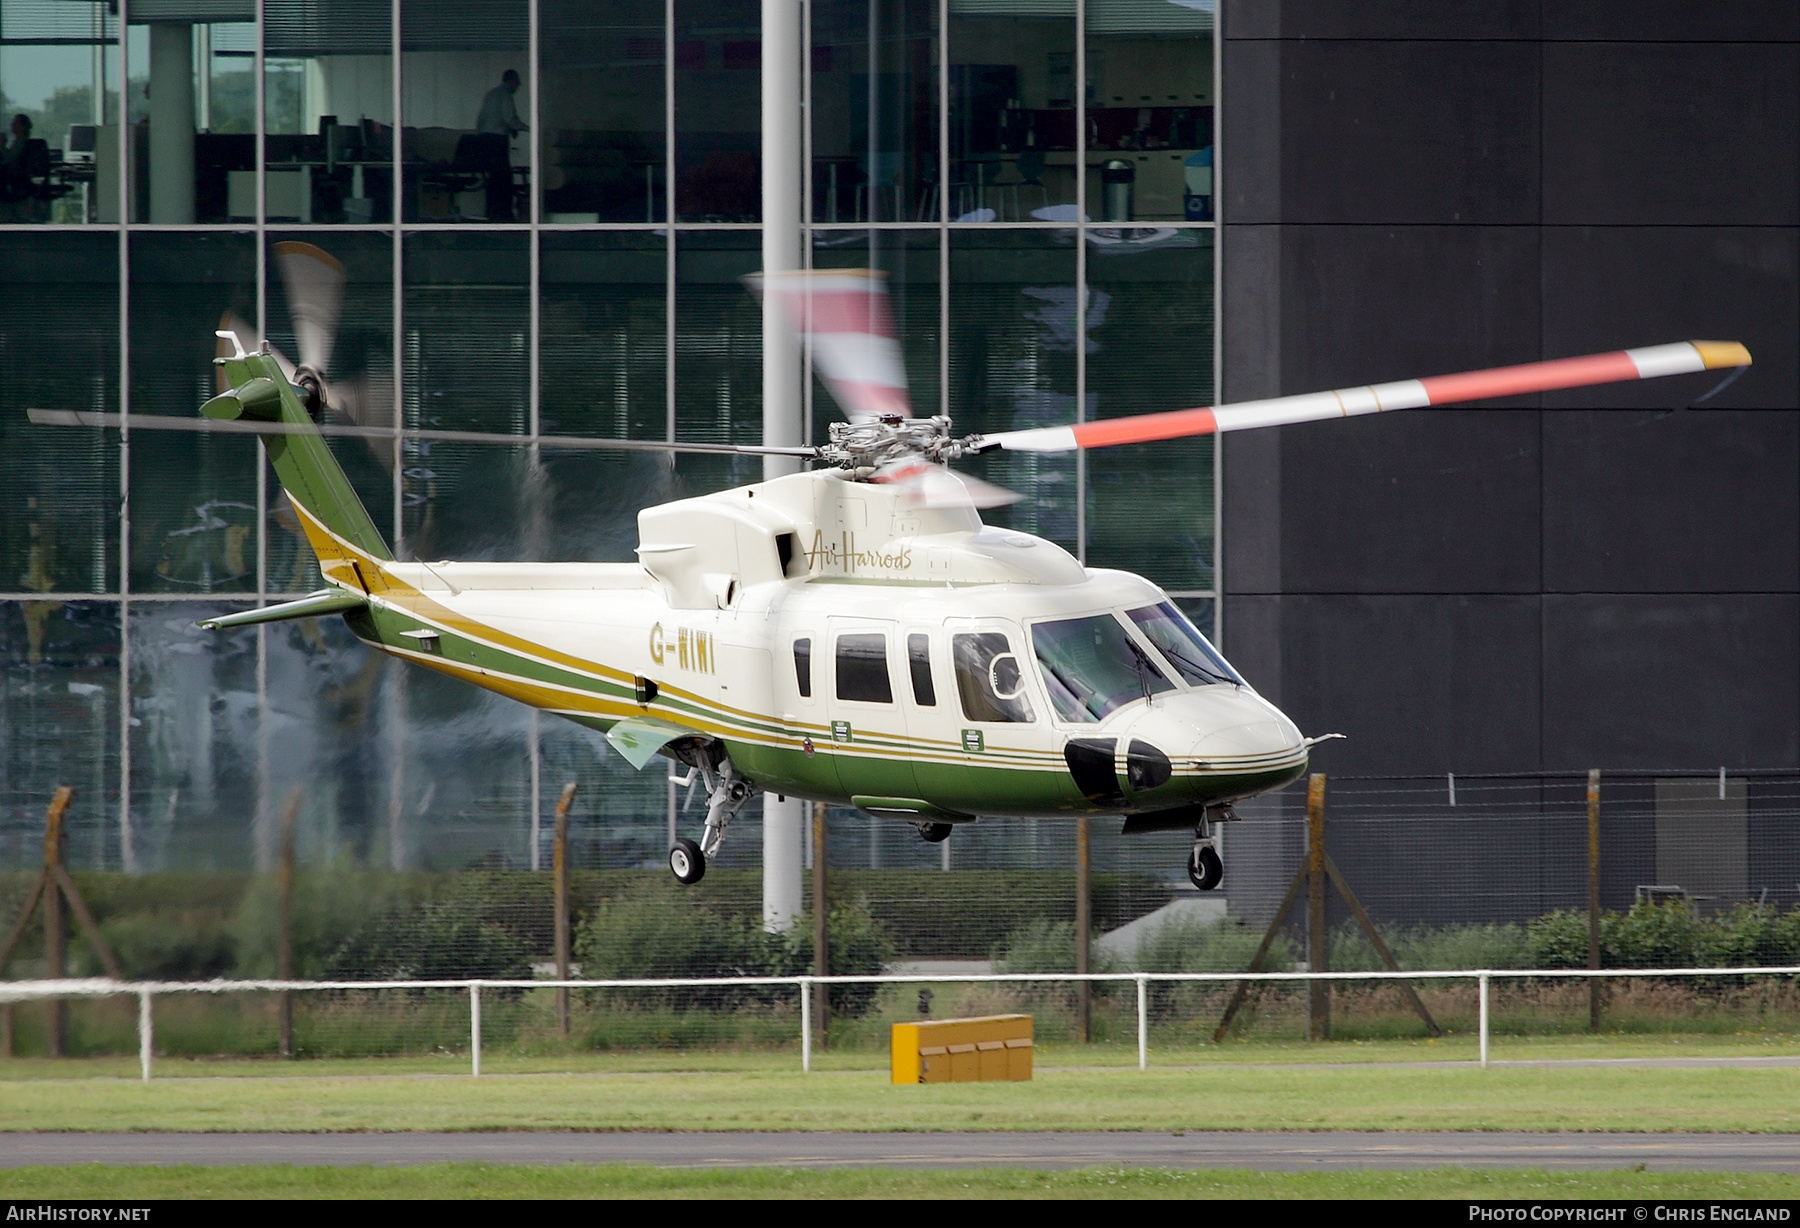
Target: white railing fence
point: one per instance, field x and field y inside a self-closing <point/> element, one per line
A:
<point x="145" y="991"/>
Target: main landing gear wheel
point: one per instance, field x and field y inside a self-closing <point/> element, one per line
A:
<point x="1205" y="870"/>
<point x="934" y="833"/>
<point x="687" y="861"/>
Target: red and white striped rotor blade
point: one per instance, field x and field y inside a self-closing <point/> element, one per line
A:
<point x="1618" y="366"/>
<point x="844" y="312"/>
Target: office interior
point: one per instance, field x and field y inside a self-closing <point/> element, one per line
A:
<point x="631" y="96"/>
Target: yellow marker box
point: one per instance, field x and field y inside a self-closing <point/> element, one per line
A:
<point x="991" y="1048"/>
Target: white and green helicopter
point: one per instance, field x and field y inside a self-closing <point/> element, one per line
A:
<point x="852" y="634"/>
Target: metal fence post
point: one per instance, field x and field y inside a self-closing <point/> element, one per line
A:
<point x="805" y="1025"/>
<point x="1593" y="885"/>
<point x="475" y="1028"/>
<point x="1084" y="992"/>
<point x="560" y="884"/>
<point x="1484" y="1019"/>
<point x="1143" y="1026"/>
<point x="145" y="1042"/>
<point x="284" y="925"/>
<point x="821" y="913"/>
<point x="1318" y="959"/>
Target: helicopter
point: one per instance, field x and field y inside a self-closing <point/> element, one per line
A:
<point x="853" y="633"/>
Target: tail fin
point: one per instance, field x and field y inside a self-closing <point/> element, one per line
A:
<point x="336" y="523"/>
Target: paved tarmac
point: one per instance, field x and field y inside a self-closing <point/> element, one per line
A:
<point x="1284" y="1151"/>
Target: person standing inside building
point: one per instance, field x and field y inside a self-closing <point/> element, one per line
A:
<point x="496" y="125"/>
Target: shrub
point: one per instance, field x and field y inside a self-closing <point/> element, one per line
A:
<point x="1424" y="947"/>
<point x="648" y="933"/>
<point x="365" y="925"/>
<point x="1668" y="934"/>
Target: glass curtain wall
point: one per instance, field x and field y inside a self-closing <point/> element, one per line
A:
<point x="490" y="191"/>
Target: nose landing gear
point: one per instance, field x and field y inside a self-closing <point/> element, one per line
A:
<point x="1205" y="868"/>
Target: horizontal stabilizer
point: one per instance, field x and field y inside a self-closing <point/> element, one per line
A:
<point x="325" y="601"/>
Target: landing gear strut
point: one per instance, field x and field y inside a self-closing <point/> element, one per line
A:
<point x="1205" y="869"/>
<point x="726" y="793"/>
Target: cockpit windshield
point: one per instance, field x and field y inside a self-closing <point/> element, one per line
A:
<point x="1091" y="666"/>
<point x="1187" y="650"/>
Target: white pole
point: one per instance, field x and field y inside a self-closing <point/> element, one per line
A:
<point x="145" y="1043"/>
<point x="475" y="1029"/>
<point x="806" y="1025"/>
<point x="1484" y="1019"/>
<point x="1143" y="1027"/>
<point x="782" y="37"/>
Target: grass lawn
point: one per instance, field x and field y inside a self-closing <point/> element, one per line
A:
<point x="1218" y="1096"/>
<point x="636" y="1181"/>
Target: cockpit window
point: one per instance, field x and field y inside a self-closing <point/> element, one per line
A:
<point x="1187" y="650"/>
<point x="988" y="679"/>
<point x="1091" y="666"/>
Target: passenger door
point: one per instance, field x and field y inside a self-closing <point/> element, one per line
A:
<point x="869" y="741"/>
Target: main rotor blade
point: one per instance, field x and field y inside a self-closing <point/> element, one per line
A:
<point x="926" y="484"/>
<point x="154" y="422"/>
<point x="315" y="292"/>
<point x="1619" y="366"/>
<point x="844" y="313"/>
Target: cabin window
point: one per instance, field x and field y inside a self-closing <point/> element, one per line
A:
<point x="862" y="669"/>
<point x="988" y="678"/>
<point x="803" y="667"/>
<point x="918" y="659"/>
<point x="1091" y="666"/>
<point x="1187" y="650"/>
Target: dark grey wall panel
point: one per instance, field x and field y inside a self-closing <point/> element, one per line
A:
<point x="1250" y="133"/>
<point x="1410" y="19"/>
<point x="1409" y="132"/>
<point x="1251" y="550"/>
<point x="1251" y="279"/>
<point x="1694" y="502"/>
<point x="1671" y="681"/>
<point x="1680" y="21"/>
<point x="1420" y="684"/>
<point x="1430" y="501"/>
<point x="1649" y="133"/>
<point x="1610" y="287"/>
<point x="1365" y="304"/>
<point x="1252" y="642"/>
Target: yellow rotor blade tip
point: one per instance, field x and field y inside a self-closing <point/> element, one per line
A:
<point x="1717" y="354"/>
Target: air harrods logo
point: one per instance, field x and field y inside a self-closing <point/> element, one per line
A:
<point x="843" y="555"/>
<point x="688" y="648"/>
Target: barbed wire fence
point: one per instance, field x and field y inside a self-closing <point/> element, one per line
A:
<point x="1696" y="869"/>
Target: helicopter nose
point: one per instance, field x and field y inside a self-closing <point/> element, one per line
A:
<point x="1208" y="733"/>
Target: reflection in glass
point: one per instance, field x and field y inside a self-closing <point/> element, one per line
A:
<point x="604" y="145"/>
<point x="466" y="354"/>
<point x="718" y="110"/>
<point x="1012" y="365"/>
<point x="1149" y="110"/>
<point x="718" y="348"/>
<point x="193" y="496"/>
<point x="464" y="107"/>
<point x="874" y="108"/>
<point x="603" y="335"/>
<point x="59" y="86"/>
<point x="330" y="106"/>
<point x="59" y="331"/>
<point x="1012" y="110"/>
<point x="1150" y="348"/>
<point x="59" y="725"/>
